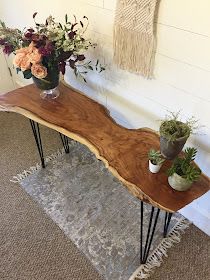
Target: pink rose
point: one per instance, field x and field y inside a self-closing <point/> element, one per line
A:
<point x="31" y="47"/>
<point x="35" y="57"/>
<point x="26" y="56"/>
<point x="39" y="71"/>
<point x="25" y="63"/>
<point x="18" y="59"/>
<point x="22" y="50"/>
<point x="27" y="50"/>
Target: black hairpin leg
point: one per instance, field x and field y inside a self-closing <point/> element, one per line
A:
<point x="144" y="252"/>
<point x="65" y="142"/>
<point x="37" y="137"/>
<point x="167" y="223"/>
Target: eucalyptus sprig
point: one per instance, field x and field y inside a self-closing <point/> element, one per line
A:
<point x="10" y="39"/>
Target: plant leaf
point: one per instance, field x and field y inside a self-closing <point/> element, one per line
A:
<point x="34" y="15"/>
<point x="27" y="74"/>
<point x="18" y="70"/>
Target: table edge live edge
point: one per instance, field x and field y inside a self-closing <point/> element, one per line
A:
<point x="132" y="188"/>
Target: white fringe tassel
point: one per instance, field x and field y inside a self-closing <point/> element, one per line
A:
<point x="19" y="177"/>
<point x="134" y="51"/>
<point x="156" y="258"/>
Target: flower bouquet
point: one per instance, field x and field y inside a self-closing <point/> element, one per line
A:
<point x="44" y="51"/>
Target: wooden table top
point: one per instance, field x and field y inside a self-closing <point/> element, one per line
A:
<point x="124" y="151"/>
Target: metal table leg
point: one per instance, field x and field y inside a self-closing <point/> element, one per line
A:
<point x="154" y="215"/>
<point x="144" y="252"/>
<point x="65" y="142"/>
<point x="37" y="137"/>
<point x="167" y="223"/>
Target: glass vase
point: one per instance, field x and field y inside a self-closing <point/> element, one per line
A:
<point x="49" y="84"/>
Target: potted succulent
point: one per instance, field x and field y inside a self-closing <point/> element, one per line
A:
<point x="183" y="172"/>
<point x="155" y="160"/>
<point x="174" y="134"/>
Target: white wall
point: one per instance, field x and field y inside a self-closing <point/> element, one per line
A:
<point x="182" y="70"/>
<point x="6" y="81"/>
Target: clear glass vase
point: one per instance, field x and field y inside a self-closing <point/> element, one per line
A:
<point x="50" y="93"/>
<point x="49" y="85"/>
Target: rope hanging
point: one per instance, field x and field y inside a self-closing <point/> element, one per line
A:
<point x="134" y="35"/>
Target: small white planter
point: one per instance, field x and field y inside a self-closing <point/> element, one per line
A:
<point x="154" y="168"/>
<point x="178" y="183"/>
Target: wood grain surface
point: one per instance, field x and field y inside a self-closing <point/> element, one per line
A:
<point x="124" y="151"/>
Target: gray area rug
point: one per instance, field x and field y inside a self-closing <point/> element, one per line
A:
<point x="97" y="213"/>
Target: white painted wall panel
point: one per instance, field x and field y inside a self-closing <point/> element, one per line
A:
<point x="191" y="15"/>
<point x="97" y="3"/>
<point x="6" y="82"/>
<point x="194" y="81"/>
<point x="101" y="20"/>
<point x="110" y="4"/>
<point x="184" y="46"/>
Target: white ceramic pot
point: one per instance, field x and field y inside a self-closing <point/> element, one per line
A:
<point x="178" y="183"/>
<point x="154" y="168"/>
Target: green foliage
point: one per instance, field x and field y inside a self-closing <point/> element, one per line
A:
<point x="27" y="74"/>
<point x="184" y="167"/>
<point x="172" y="128"/>
<point x="155" y="157"/>
<point x="10" y="37"/>
<point x="82" y="69"/>
<point x="18" y="70"/>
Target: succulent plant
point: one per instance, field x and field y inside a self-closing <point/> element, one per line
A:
<point x="155" y="157"/>
<point x="172" y="128"/>
<point x="184" y="167"/>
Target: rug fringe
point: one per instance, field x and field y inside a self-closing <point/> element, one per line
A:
<point x="19" y="177"/>
<point x="156" y="258"/>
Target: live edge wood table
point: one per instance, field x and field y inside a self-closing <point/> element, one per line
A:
<point x="124" y="151"/>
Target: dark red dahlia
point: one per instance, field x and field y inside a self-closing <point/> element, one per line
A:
<point x="72" y="63"/>
<point x="47" y="49"/>
<point x="2" y="42"/>
<point x="71" y="35"/>
<point x="80" y="57"/>
<point x="35" y="37"/>
<point x="8" y="49"/>
<point x="64" y="55"/>
<point x="28" y="35"/>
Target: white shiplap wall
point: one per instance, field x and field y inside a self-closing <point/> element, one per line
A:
<point x="6" y="82"/>
<point x="182" y="70"/>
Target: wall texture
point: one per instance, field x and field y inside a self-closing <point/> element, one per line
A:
<point x="182" y="70"/>
<point x="6" y="82"/>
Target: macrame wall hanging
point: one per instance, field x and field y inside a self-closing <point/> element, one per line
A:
<point x="134" y="35"/>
